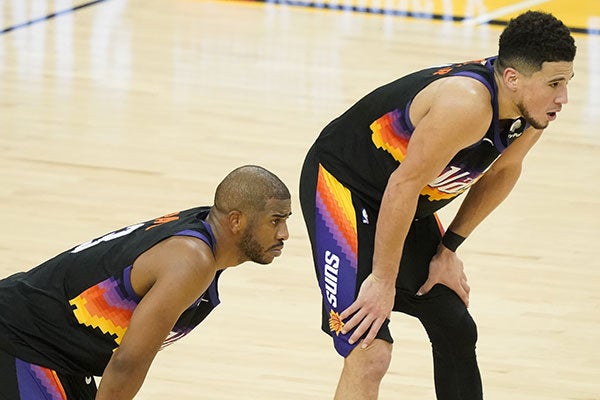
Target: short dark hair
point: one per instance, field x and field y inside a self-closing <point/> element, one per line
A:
<point x="248" y="188"/>
<point x="533" y="38"/>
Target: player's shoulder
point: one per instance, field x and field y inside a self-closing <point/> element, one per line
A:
<point x="460" y="92"/>
<point x="481" y="66"/>
<point x="464" y="89"/>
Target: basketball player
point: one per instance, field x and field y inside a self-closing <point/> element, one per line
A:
<point x="105" y="307"/>
<point x="374" y="178"/>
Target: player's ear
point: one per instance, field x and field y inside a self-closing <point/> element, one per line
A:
<point x="237" y="221"/>
<point x="511" y="78"/>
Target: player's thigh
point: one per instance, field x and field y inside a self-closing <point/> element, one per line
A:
<point x="20" y="380"/>
<point x="342" y="241"/>
<point x="9" y="387"/>
<point x="79" y="387"/>
<point x="419" y="248"/>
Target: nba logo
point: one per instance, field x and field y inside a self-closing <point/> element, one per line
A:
<point x="365" y="217"/>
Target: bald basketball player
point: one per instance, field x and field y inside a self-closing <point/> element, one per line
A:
<point x="107" y="306"/>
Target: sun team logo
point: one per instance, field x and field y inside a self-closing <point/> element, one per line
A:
<point x="335" y="322"/>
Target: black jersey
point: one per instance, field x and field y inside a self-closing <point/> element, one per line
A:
<point x="71" y="312"/>
<point x="363" y="146"/>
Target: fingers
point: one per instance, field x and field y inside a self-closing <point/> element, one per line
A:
<point x="353" y="322"/>
<point x="358" y="315"/>
<point x="465" y="286"/>
<point x="368" y="312"/>
<point x="426" y="287"/>
<point x="363" y="321"/>
<point x="466" y="289"/>
<point x="361" y="329"/>
<point x="462" y="289"/>
<point x="366" y="323"/>
<point x="464" y="296"/>
<point x="352" y="308"/>
<point x="375" y="326"/>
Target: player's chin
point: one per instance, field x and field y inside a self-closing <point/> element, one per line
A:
<point x="264" y="259"/>
<point x="270" y="255"/>
<point x="276" y="251"/>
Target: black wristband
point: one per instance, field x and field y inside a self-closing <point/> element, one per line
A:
<point x="452" y="240"/>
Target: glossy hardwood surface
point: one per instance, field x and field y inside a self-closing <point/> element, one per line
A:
<point x="126" y="110"/>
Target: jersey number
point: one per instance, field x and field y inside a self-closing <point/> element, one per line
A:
<point x="106" y="238"/>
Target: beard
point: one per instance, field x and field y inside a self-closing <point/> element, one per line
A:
<point x="532" y="121"/>
<point x="251" y="249"/>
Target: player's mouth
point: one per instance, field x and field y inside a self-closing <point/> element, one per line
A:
<point x="552" y="115"/>
<point x="277" y="250"/>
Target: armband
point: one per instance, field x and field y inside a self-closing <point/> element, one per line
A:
<point x="452" y="240"/>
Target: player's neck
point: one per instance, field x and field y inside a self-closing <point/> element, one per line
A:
<point x="225" y="248"/>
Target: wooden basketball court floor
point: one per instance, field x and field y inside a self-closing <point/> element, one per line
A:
<point x="119" y="111"/>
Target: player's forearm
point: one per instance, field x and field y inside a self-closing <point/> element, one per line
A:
<point x="395" y="216"/>
<point x="118" y="389"/>
<point x="121" y="379"/>
<point x="489" y="192"/>
<point x="495" y="185"/>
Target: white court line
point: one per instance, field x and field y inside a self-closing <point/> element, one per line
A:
<point x="484" y="18"/>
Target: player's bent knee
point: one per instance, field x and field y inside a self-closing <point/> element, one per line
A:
<point x="457" y="340"/>
<point x="370" y="363"/>
<point x="466" y="333"/>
